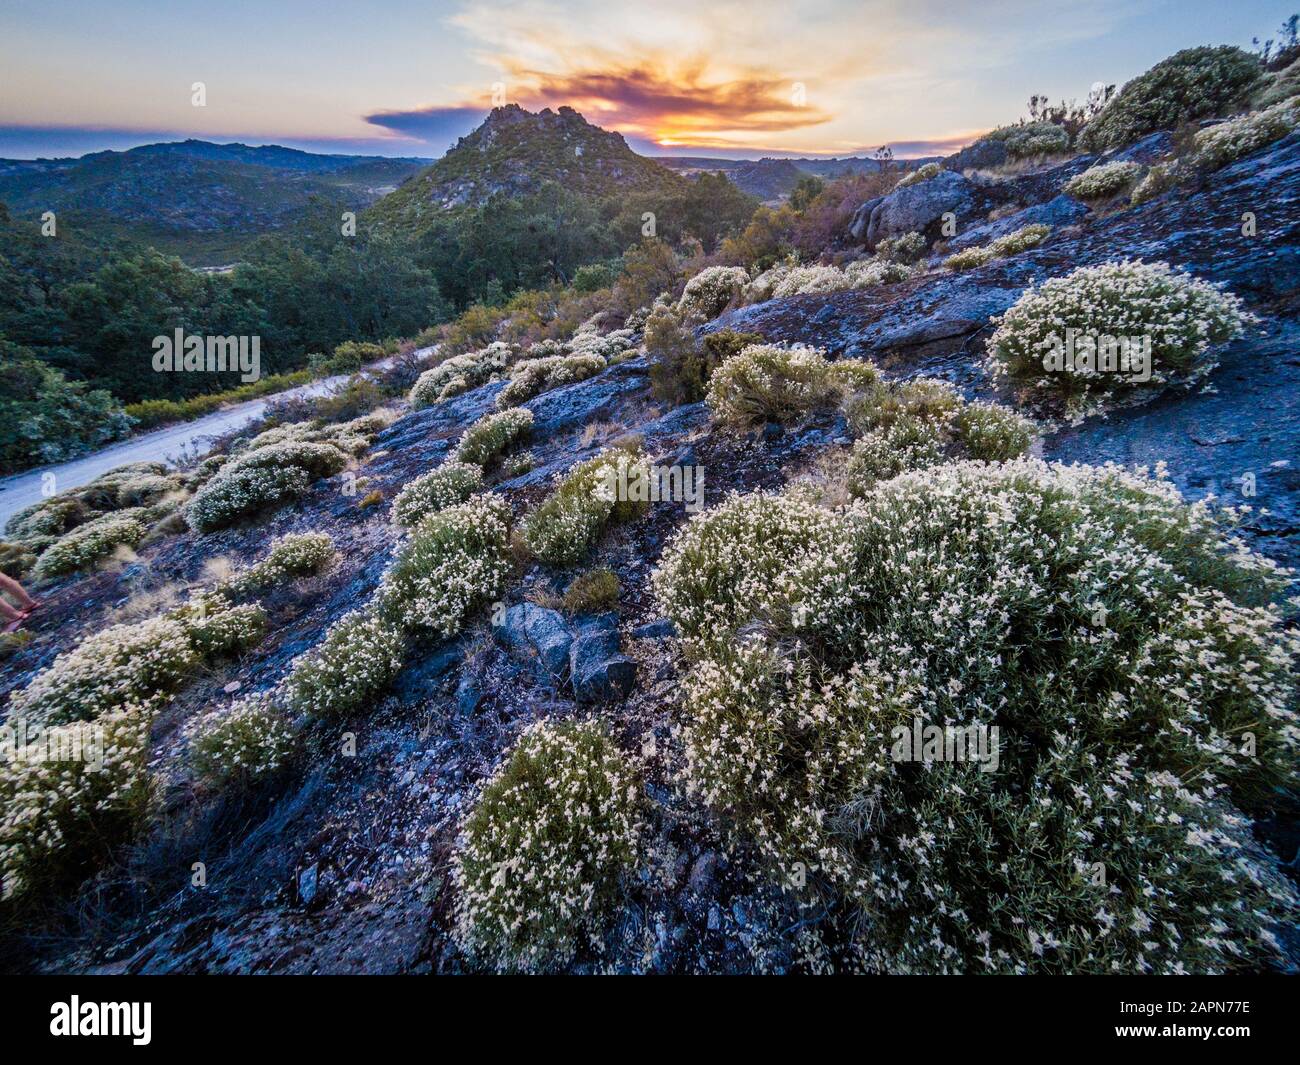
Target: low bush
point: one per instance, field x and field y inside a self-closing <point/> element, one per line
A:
<point x="1119" y="642"/>
<point x="215" y="626"/>
<point x="568" y="524"/>
<point x="91" y="543"/>
<point x="291" y="556"/>
<point x="708" y="292"/>
<point x="544" y="854"/>
<point x="906" y="248"/>
<point x="1191" y="84"/>
<point x="924" y="172"/>
<point x="532" y="377"/>
<point x="459" y="374"/>
<point x="235" y="494"/>
<point x="1158" y="180"/>
<point x="1229" y="141"/>
<point x="1178" y="315"/>
<point x="1022" y="239"/>
<point x="1104" y="180"/>
<point x="593" y="592"/>
<point x="768" y="383"/>
<point x="1027" y="140"/>
<point x="449" y="565"/>
<point x="358" y="658"/>
<point x="451" y="483"/>
<point x="492" y="435"/>
<point x="242" y="742"/>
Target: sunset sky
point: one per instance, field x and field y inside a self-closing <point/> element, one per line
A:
<point x="827" y="77"/>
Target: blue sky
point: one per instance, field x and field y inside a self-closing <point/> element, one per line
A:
<point x="681" y="76"/>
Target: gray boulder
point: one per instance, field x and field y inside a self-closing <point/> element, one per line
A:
<point x="1060" y="211"/>
<point x="531" y="629"/>
<point x="600" y="672"/>
<point x="920" y="207"/>
<point x="981" y="155"/>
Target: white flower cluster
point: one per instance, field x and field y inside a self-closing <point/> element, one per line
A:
<point x="57" y="813"/>
<point x="451" y="563"/>
<point x="532" y="377"/>
<point x="924" y="172"/>
<point x="1014" y="243"/>
<point x="241" y="742"/>
<point x="1181" y="315"/>
<point x="292" y="555"/>
<point x="215" y="626"/>
<point x="608" y="346"/>
<point x="1117" y="638"/>
<point x="359" y="656"/>
<point x="460" y="373"/>
<point x="492" y="435"/>
<point x="787" y="278"/>
<point x="91" y="543"/>
<point x="231" y="495"/>
<point x="449" y="484"/>
<point x="708" y="292"/>
<point x="544" y="853"/>
<point x="1104" y="180"/>
<point x="568" y="524"/>
<point x="1032" y="138"/>
<point x="1226" y="142"/>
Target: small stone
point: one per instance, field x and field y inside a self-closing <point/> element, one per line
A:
<point x="232" y="687"/>
<point x="308" y="882"/>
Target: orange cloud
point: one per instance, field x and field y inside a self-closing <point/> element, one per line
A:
<point x="673" y="105"/>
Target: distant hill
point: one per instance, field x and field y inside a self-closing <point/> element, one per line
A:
<point x="771" y="179"/>
<point x="514" y="152"/>
<point x="200" y="200"/>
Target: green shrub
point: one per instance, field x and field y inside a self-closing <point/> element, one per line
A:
<point x="60" y="816"/>
<point x="242" y="742"/>
<point x="532" y="377"/>
<point x="1158" y="180"/>
<point x="451" y="483"/>
<point x="543" y="856"/>
<point x="48" y="518"/>
<point x="1029" y="139"/>
<point x="908" y="443"/>
<point x="592" y="592"/>
<point x="1117" y="639"/>
<point x="569" y="523"/>
<point x="492" y="435"/>
<point x="1183" y="317"/>
<point x="994" y="433"/>
<point x="358" y="658"/>
<point x="316" y="458"/>
<point x="459" y="374"/>
<point x="1104" y="180"/>
<point x="906" y="248"/>
<point x="291" y="556"/>
<point x="16" y="559"/>
<point x="768" y="383"/>
<point x="678" y="367"/>
<point x="234" y="494"/>
<point x="449" y="565"/>
<point x="708" y="292"/>
<point x="1194" y="83"/>
<point x="215" y="626"/>
<point x="89" y="544"/>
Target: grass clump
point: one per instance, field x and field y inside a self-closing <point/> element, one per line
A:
<point x="492" y="435"/>
<point x="1013" y="243"/>
<point x="451" y="483"/>
<point x="544" y="854"/>
<point x="922" y="173"/>
<point x="569" y="523"/>
<point x="1118" y="640"/>
<point x="1103" y="181"/>
<point x="1149" y="305"/>
<point x="358" y="658"/>
<point x="239" y="744"/>
<point x="449" y="565"/>
<point x="593" y="592"/>
<point x="1192" y="84"/>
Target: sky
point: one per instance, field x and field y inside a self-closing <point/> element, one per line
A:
<point x="718" y="78"/>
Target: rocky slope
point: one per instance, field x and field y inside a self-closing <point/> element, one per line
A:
<point x="344" y="867"/>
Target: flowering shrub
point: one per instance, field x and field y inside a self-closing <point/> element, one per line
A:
<point x="360" y="654"/>
<point x="291" y="556"/>
<point x="1104" y="180"/>
<point x="1030" y="139"/>
<point x="708" y="292"/>
<point x="1229" y="141"/>
<point x="866" y="273"/>
<point x="907" y="443"/>
<point x="587" y="342"/>
<point x="532" y="377"/>
<point x="994" y="433"/>
<point x="50" y="517"/>
<point x="544" y="853"/>
<point x="766" y="383"/>
<point x="215" y="626"/>
<point x="234" y="494"/>
<point x="450" y="564"/>
<point x="905" y="248"/>
<point x="60" y="815"/>
<point x="1191" y="84"/>
<point x="568" y="524"/>
<point x="451" y="483"/>
<point x="316" y="458"/>
<point x="922" y="173"/>
<point x="1121" y="644"/>
<point x="459" y="374"/>
<point x="805" y="280"/>
<point x="1022" y="239"/>
<point x="241" y="742"/>
<point x="1182" y="315"/>
<point x="90" y="543"/>
<point x="1159" y="179"/>
<point x="491" y="435"/>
